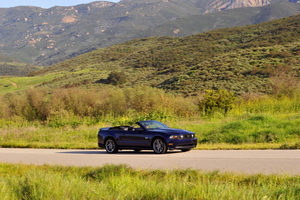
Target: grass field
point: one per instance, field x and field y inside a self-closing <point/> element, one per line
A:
<point x="15" y="84"/>
<point x="123" y="182"/>
<point x="252" y="132"/>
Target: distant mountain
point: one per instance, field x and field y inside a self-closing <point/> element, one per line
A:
<point x="217" y="5"/>
<point x="47" y="36"/>
<point x="230" y="18"/>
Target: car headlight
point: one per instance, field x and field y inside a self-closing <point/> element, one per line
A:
<point x="173" y="137"/>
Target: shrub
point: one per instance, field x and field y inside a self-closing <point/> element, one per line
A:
<point x="43" y="104"/>
<point x="266" y="136"/>
<point x="117" y="78"/>
<point x="37" y="104"/>
<point x="3" y="108"/>
<point x="15" y="103"/>
<point x="290" y="146"/>
<point x="74" y="100"/>
<point x="216" y="101"/>
<point x="284" y="85"/>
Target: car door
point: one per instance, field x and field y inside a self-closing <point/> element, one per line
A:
<point x="135" y="138"/>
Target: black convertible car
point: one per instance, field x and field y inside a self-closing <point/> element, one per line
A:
<point x="148" y="135"/>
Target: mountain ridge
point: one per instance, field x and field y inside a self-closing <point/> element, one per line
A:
<point x="223" y="5"/>
<point x="194" y="24"/>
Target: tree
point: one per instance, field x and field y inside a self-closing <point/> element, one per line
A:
<point x="117" y="78"/>
<point x="216" y="101"/>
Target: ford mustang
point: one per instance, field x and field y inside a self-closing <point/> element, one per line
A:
<point x="147" y="135"/>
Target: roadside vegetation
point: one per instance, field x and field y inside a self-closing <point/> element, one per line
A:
<point x="70" y="118"/>
<point x="123" y="182"/>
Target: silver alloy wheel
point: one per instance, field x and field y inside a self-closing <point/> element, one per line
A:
<point x="159" y="146"/>
<point x="111" y="146"/>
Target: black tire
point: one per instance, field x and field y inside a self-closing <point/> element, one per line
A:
<point x="159" y="146"/>
<point x="111" y="146"/>
<point x="185" y="150"/>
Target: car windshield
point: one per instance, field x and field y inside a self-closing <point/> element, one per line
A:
<point x="153" y="125"/>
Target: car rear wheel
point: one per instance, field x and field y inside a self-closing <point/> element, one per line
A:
<point x="111" y="146"/>
<point x="159" y="146"/>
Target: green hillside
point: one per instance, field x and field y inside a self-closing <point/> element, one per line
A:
<point x="4" y="58"/>
<point x="243" y="59"/>
<point x="12" y="67"/>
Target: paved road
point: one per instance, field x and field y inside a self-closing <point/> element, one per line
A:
<point x="245" y="161"/>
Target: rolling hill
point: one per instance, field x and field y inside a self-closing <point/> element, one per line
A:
<point x="241" y="59"/>
<point x="12" y="67"/>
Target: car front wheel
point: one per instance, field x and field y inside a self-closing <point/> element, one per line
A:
<point x="159" y="146"/>
<point x="111" y="146"/>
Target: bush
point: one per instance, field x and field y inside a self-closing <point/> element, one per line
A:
<point x="117" y="78"/>
<point x="139" y="102"/>
<point x="284" y="85"/>
<point x="266" y="136"/>
<point x="216" y="101"/>
<point x="290" y="146"/>
<point x="3" y="108"/>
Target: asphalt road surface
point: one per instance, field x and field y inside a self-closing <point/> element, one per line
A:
<point x="244" y="161"/>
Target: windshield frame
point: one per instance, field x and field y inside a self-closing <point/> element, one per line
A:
<point x="151" y="125"/>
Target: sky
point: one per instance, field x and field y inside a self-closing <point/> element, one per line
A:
<point x="45" y="3"/>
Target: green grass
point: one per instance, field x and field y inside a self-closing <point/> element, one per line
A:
<point x="261" y="131"/>
<point x="123" y="182"/>
<point x="252" y="132"/>
<point x="23" y="83"/>
<point x="82" y="137"/>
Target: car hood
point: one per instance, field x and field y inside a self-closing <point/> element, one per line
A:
<point x="172" y="131"/>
